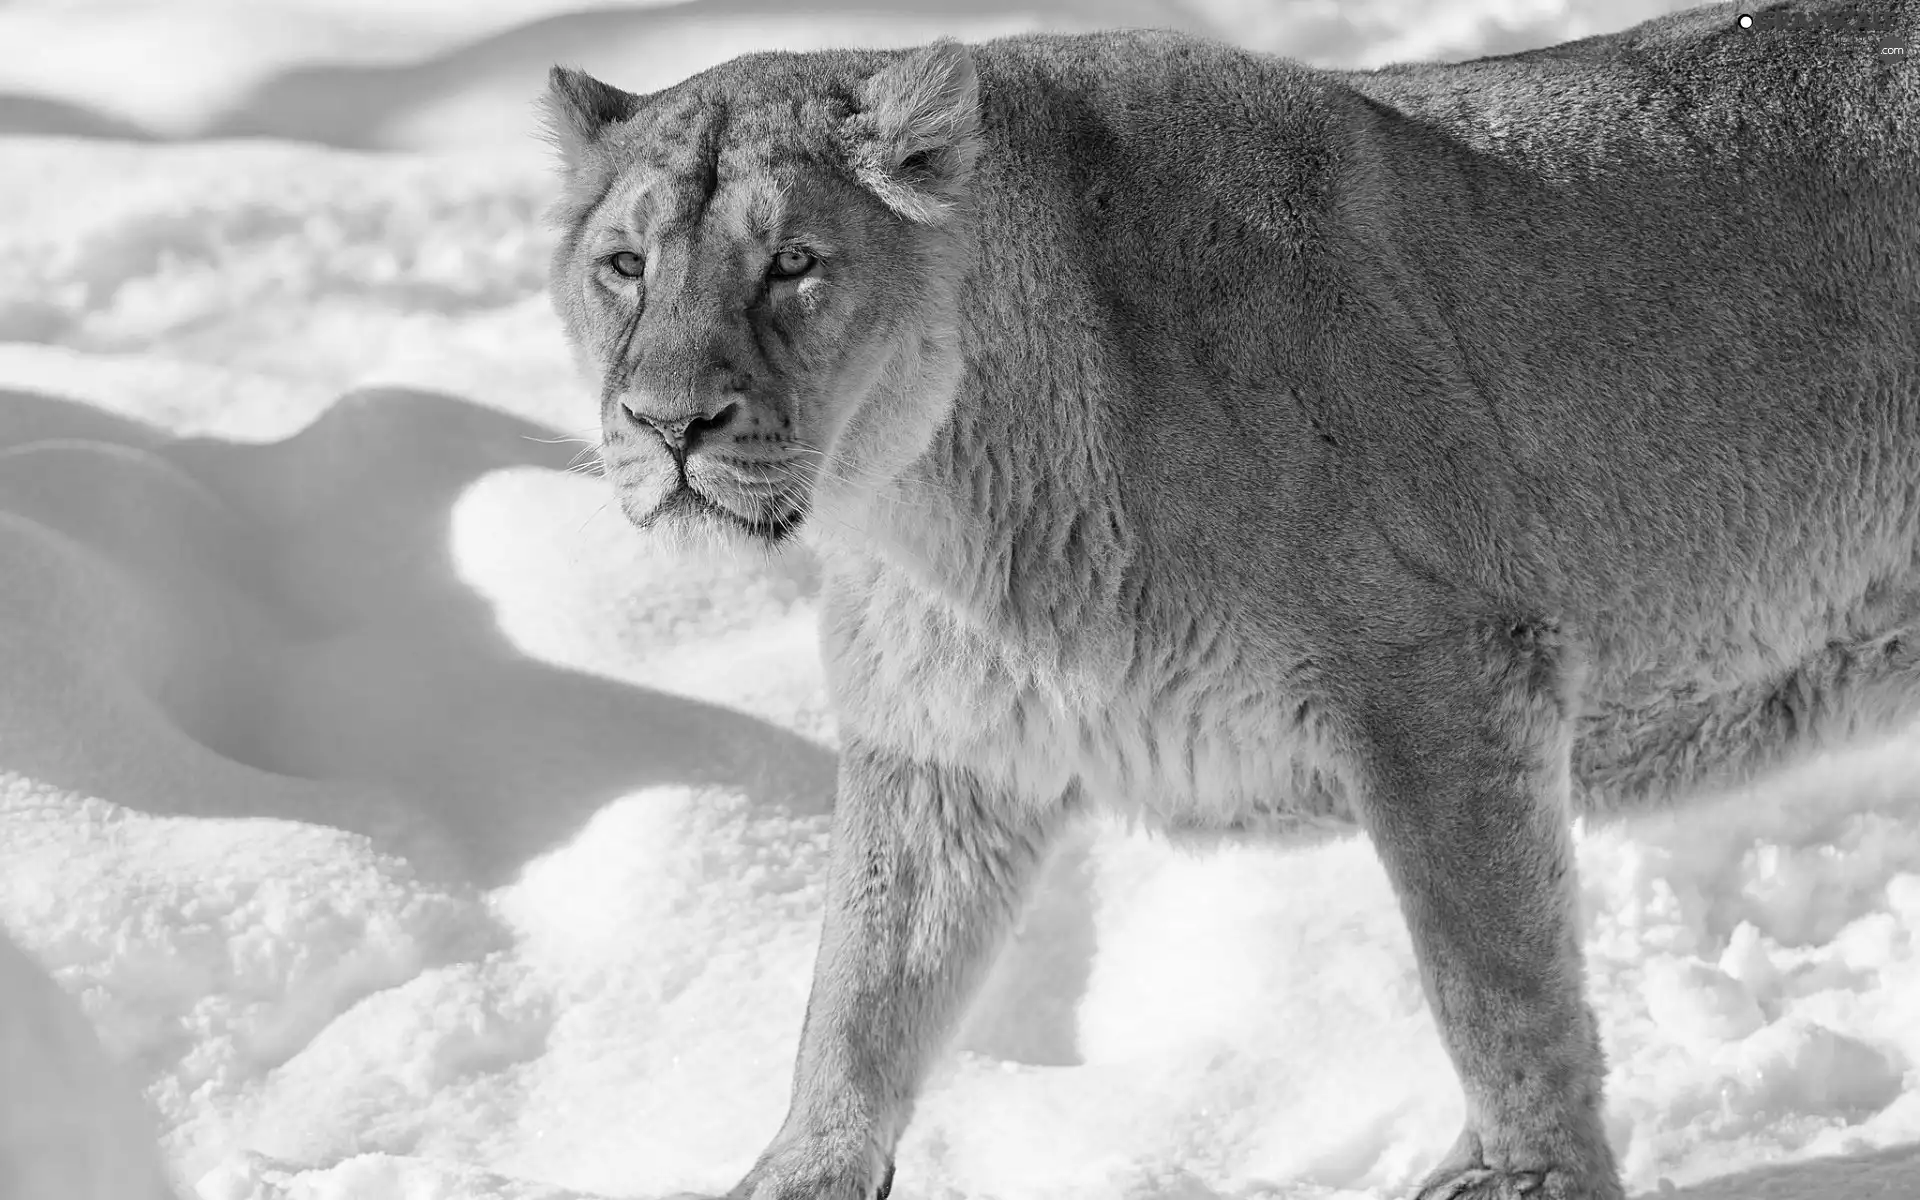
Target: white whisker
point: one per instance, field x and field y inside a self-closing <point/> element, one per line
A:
<point x="590" y="516"/>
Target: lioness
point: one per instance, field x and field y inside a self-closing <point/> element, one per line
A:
<point x="1446" y="450"/>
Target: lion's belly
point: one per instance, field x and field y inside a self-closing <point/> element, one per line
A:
<point x="1176" y="748"/>
<point x="1223" y="762"/>
<point x="1234" y="762"/>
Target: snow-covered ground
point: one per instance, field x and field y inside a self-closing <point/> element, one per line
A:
<point x="408" y="827"/>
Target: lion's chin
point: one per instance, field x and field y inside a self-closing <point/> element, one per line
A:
<point x="690" y="520"/>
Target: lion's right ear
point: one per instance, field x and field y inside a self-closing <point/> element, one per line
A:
<point x="579" y="108"/>
<point x="917" y="135"/>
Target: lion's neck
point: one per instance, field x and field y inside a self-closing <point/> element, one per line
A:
<point x="1010" y="515"/>
<point x="1012" y="511"/>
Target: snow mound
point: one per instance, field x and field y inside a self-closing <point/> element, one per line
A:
<point x="281" y="744"/>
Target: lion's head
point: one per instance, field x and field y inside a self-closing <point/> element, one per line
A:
<point x="759" y="266"/>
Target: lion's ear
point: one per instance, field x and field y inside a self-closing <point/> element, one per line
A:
<point x="918" y="132"/>
<point x="579" y="108"/>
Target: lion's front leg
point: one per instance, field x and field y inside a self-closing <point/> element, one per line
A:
<point x="929" y="867"/>
<point x="1467" y="803"/>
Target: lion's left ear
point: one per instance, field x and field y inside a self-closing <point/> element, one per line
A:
<point x="579" y="108"/>
<point x="918" y="132"/>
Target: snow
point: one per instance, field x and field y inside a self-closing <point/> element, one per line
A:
<point x="383" y="818"/>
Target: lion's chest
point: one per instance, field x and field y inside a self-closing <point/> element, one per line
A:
<point x="1181" y="740"/>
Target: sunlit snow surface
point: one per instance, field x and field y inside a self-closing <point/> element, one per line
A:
<point x="413" y="829"/>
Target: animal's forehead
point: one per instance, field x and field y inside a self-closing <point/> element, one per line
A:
<point x="671" y="133"/>
<point x="693" y="130"/>
<point x="682" y="154"/>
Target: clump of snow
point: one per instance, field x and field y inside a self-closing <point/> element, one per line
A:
<point x="1700" y="1000"/>
<point x="403" y="825"/>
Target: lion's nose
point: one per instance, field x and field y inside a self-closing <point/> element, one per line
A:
<point x="683" y="432"/>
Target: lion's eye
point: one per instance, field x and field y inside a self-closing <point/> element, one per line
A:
<point x="627" y="264"/>
<point x="791" y="264"/>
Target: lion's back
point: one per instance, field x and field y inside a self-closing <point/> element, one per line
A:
<point x="1622" y="330"/>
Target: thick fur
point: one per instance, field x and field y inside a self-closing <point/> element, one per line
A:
<point x="1251" y="448"/>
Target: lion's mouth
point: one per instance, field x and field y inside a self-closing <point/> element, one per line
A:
<point x="771" y="524"/>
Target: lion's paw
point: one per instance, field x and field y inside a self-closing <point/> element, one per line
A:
<point x="1482" y="1183"/>
<point x="805" y="1169"/>
<point x="1467" y="1175"/>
